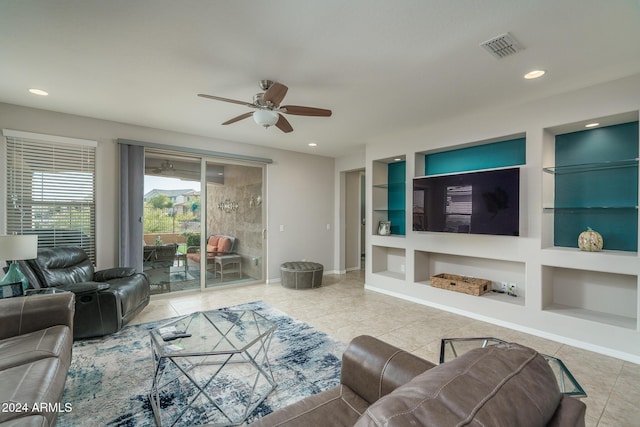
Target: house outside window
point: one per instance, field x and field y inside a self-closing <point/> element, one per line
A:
<point x="50" y="184"/>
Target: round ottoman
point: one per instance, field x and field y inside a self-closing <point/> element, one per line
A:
<point x="301" y="274"/>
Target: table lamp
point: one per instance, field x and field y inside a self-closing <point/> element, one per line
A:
<point x="14" y="248"/>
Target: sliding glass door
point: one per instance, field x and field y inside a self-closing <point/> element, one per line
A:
<point x="171" y="220"/>
<point x="233" y="223"/>
<point x="203" y="221"/>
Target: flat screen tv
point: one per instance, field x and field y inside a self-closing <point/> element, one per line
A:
<point x="485" y="202"/>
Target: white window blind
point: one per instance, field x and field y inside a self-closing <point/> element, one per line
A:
<point x="51" y="189"/>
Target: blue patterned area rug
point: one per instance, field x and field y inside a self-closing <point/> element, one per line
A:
<point x="110" y="378"/>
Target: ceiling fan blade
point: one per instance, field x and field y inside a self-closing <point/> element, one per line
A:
<point x="275" y="93"/>
<point x="219" y="98"/>
<point x="283" y="124"/>
<point x="305" y="111"/>
<point x="238" y="118"/>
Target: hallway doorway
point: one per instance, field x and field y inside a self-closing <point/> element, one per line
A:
<point x="354" y="224"/>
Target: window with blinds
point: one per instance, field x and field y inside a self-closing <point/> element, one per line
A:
<point x="51" y="189"/>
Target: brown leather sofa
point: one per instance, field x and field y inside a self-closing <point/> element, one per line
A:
<point x="381" y="385"/>
<point x="36" y="337"/>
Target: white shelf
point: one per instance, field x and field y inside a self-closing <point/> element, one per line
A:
<point x="504" y="298"/>
<point x="429" y="263"/>
<point x="489" y="296"/>
<point x="391" y="274"/>
<point x="600" y="296"/>
<point x="389" y="261"/>
<point x="594" y="316"/>
<point x="392" y="240"/>
<point x="605" y="261"/>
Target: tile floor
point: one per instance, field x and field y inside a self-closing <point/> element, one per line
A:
<point x="343" y="309"/>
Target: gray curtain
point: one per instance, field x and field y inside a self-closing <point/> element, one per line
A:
<point x="131" y="205"/>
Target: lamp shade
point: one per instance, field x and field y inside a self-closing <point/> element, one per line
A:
<point x="265" y="118"/>
<point x="17" y="247"/>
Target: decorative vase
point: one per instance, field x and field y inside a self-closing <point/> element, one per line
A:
<point x="590" y="241"/>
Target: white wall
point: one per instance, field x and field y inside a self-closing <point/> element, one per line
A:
<point x="300" y="198"/>
<point x="299" y="187"/>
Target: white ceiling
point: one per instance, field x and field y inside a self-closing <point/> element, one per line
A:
<point x="379" y="65"/>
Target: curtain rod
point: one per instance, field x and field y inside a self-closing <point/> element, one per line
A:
<point x="217" y="154"/>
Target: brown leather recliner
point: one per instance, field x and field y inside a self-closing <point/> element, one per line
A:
<point x="106" y="300"/>
<point x="381" y="385"/>
<point x="370" y="370"/>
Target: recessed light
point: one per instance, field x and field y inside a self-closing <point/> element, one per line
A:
<point x="534" y="74"/>
<point x="39" y="92"/>
<point x="397" y="159"/>
<point x="312" y="144"/>
<point x="592" y="125"/>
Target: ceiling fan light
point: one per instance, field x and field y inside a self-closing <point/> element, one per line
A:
<point x="265" y="118"/>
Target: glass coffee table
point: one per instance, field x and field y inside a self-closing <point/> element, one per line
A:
<point x="450" y="348"/>
<point x="211" y="368"/>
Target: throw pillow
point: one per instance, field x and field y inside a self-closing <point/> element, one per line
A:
<point x="224" y="244"/>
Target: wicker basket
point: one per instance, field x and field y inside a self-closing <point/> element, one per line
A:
<point x="464" y="284"/>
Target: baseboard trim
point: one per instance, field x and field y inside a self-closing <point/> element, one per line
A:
<point x="531" y="331"/>
<point x="324" y="273"/>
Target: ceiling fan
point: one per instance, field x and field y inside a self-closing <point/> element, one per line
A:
<point x="268" y="109"/>
<point x="165" y="168"/>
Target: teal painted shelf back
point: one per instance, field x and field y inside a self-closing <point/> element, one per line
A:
<point x="396" y="199"/>
<point x="604" y="199"/>
<point x="487" y="156"/>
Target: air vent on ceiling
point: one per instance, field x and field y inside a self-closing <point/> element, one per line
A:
<point x="502" y="46"/>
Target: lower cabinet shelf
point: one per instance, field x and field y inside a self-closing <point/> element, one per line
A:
<point x="606" y="298"/>
<point x="388" y="261"/>
<point x="594" y="316"/>
<point x="428" y="264"/>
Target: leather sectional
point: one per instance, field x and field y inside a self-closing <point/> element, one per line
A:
<point x="36" y="338"/>
<point x="381" y="385"/>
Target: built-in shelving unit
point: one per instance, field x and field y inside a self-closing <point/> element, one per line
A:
<point x="571" y="179"/>
<point x="592" y="181"/>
